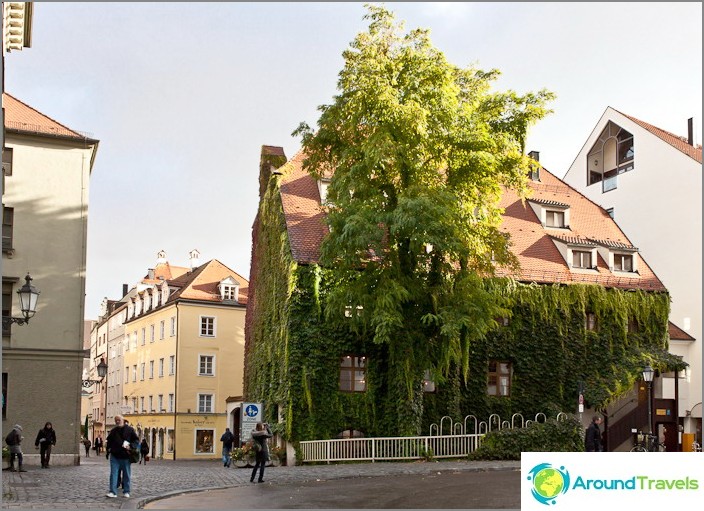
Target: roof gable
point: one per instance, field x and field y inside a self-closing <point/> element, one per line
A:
<point x="534" y="246"/>
<point x="21" y="117"/>
<point x="679" y="143"/>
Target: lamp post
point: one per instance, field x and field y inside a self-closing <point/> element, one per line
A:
<point x="28" y="304"/>
<point x="102" y="371"/>
<point x="648" y="377"/>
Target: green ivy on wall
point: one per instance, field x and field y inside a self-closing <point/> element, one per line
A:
<point x="294" y="351"/>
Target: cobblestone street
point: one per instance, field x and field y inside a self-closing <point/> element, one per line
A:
<point x="85" y="486"/>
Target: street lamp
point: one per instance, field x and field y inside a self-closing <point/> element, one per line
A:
<point x="102" y="371"/>
<point x="648" y="378"/>
<point x="28" y="304"/>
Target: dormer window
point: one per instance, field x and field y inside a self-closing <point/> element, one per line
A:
<point x="612" y="154"/>
<point x="229" y="289"/>
<point x="582" y="259"/>
<point x="555" y="219"/>
<point x="552" y="214"/>
<point x="323" y="185"/>
<point x="623" y="262"/>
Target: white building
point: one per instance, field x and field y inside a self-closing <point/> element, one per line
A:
<point x="650" y="181"/>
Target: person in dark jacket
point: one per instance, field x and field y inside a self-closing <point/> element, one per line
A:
<point x="46" y="439"/>
<point x="227" y="440"/>
<point x="592" y="439"/>
<point x="14" y="441"/>
<point x="118" y="443"/>
<point x="144" y="449"/>
<point x="259" y="436"/>
<point x="98" y="444"/>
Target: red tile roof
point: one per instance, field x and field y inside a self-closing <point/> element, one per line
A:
<point x="304" y="216"/>
<point x="21" y="117"/>
<point x="539" y="257"/>
<point x="676" y="333"/>
<point x="679" y="143"/>
<point x="202" y="283"/>
<point x="537" y="253"/>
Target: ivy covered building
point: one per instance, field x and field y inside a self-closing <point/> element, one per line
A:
<point x="583" y="310"/>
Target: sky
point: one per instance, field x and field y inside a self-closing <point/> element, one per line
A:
<point x="182" y="95"/>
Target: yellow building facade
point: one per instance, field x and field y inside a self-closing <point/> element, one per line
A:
<point x="183" y="356"/>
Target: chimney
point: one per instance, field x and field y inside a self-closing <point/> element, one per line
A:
<point x="271" y="158"/>
<point x="690" y="131"/>
<point x="535" y="155"/>
<point x="193" y="255"/>
<point x="125" y="288"/>
<point x="150" y="273"/>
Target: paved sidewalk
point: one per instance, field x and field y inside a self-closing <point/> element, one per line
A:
<point x="85" y="486"/>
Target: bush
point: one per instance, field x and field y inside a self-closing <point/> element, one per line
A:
<point x="551" y="436"/>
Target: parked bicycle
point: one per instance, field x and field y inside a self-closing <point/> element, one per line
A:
<point x="647" y="443"/>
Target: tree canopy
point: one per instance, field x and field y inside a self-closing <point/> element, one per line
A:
<point x="417" y="150"/>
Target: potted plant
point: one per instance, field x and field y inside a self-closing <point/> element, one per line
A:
<point x="243" y="456"/>
<point x="278" y="455"/>
<point x="5" y="457"/>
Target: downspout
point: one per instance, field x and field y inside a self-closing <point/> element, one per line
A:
<point x="178" y="328"/>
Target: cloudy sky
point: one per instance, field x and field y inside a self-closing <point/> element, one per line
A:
<point x="183" y="95"/>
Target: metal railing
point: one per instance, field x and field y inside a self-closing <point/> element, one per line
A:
<point x="390" y="448"/>
<point x="449" y="439"/>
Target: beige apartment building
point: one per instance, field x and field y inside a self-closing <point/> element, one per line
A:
<point x="46" y="172"/>
<point x="180" y="356"/>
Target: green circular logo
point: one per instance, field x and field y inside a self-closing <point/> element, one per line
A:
<point x="548" y="482"/>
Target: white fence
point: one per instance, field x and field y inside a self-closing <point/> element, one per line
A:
<point x="390" y="448"/>
<point x="447" y="440"/>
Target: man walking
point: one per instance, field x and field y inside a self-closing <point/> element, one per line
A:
<point x="13" y="440"/>
<point x="46" y="439"/>
<point x="118" y="443"/>
<point x="592" y="439"/>
<point x="227" y="440"/>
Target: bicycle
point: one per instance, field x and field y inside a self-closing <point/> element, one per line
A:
<point x="647" y="443"/>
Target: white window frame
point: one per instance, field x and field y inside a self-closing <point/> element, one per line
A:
<point x="212" y="364"/>
<point x="202" y="323"/>
<point x="592" y="257"/>
<point x="127" y="374"/>
<point x="141" y="400"/>
<point x="134" y="373"/>
<point x="152" y="335"/>
<point x="170" y="439"/>
<point x="142" y="371"/>
<point x="144" y="335"/>
<point x="171" y="402"/>
<point x="624" y="255"/>
<point x="212" y="441"/>
<point x="553" y="213"/>
<point x="160" y="403"/>
<point x="162" y="329"/>
<point x="172" y="365"/>
<point x="151" y="369"/>
<point x="151" y="404"/>
<point x="173" y="326"/>
<point x="161" y="368"/>
<point x="212" y="403"/>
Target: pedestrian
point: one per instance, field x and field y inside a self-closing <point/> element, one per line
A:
<point x="227" y="440"/>
<point x="592" y="438"/>
<point x="46" y="439"/>
<point x="118" y="443"/>
<point x="86" y="444"/>
<point x="98" y="445"/>
<point x="144" y="449"/>
<point x="14" y="440"/>
<point x="259" y="436"/>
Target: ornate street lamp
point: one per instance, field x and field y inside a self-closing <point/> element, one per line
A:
<point x="648" y="378"/>
<point x="28" y="304"/>
<point x="102" y="371"/>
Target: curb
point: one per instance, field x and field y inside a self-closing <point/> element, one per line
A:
<point x="140" y="503"/>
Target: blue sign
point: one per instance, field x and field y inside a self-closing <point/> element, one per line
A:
<point x="251" y="411"/>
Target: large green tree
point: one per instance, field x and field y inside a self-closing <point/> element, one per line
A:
<point x="419" y="150"/>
